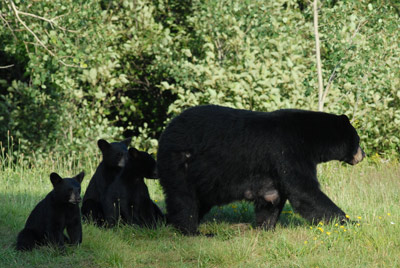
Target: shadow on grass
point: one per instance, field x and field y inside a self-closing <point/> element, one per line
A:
<point x="243" y="212"/>
<point x="15" y="209"/>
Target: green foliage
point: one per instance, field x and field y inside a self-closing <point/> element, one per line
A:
<point x="125" y="68"/>
<point x="361" y="40"/>
<point x="251" y="57"/>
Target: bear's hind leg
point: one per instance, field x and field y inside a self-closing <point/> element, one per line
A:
<point x="183" y="214"/>
<point x="267" y="213"/>
<point x="180" y="198"/>
<point x="26" y="240"/>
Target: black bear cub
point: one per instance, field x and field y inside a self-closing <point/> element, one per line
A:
<point x="114" y="159"/>
<point x="59" y="210"/>
<point x="128" y="197"/>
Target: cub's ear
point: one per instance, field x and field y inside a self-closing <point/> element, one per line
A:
<point x="134" y="153"/>
<point x="127" y="141"/>
<point x="103" y="145"/>
<point x="55" y="179"/>
<point x="79" y="177"/>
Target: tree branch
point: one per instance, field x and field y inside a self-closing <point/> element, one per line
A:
<point x="17" y="12"/>
<point x="7" y="66"/>
<point x="52" y="21"/>
<point x="318" y="56"/>
<point x="333" y="74"/>
<point x="8" y="25"/>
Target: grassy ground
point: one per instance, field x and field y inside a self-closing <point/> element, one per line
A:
<point x="369" y="193"/>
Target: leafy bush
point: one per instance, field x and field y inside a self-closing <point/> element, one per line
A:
<point x="122" y="68"/>
<point x="260" y="56"/>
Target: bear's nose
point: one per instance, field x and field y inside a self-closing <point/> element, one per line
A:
<point x="363" y="153"/>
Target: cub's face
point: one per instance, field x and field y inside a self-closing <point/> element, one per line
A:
<point x="142" y="163"/>
<point x="67" y="190"/>
<point x="115" y="154"/>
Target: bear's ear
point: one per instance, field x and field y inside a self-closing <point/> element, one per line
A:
<point x="344" y="118"/>
<point x="55" y="179"/>
<point x="127" y="141"/>
<point x="103" y="145"/>
<point x="134" y="153"/>
<point x="79" y="177"/>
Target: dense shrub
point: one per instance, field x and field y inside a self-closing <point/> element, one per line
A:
<point x="138" y="63"/>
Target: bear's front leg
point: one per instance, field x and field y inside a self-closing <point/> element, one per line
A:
<point x="111" y="210"/>
<point x="310" y="202"/>
<point x="74" y="231"/>
<point x="129" y="211"/>
<point x="56" y="238"/>
<point x="92" y="211"/>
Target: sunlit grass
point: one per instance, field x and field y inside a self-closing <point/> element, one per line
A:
<point x="368" y="193"/>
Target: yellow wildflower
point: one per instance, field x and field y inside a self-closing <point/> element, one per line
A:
<point x="328" y="233"/>
<point x="347" y="216"/>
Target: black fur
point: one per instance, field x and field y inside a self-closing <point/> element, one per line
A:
<point x="212" y="155"/>
<point x="59" y="210"/>
<point x="114" y="160"/>
<point x="128" y="196"/>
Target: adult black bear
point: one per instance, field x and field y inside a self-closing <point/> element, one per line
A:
<point x="114" y="159"/>
<point x="212" y="155"/>
<point x="128" y="196"/>
<point x="59" y="210"/>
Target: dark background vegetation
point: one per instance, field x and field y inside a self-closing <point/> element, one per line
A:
<point x="109" y="69"/>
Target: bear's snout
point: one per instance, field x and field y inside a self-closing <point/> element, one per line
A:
<point x="75" y="198"/>
<point x="358" y="157"/>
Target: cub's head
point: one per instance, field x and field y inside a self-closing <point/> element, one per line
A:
<point x="351" y="150"/>
<point x="114" y="154"/>
<point x="67" y="190"/>
<point x="142" y="164"/>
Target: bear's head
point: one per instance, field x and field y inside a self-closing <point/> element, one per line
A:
<point x="352" y="151"/>
<point x="114" y="154"/>
<point x="67" y="190"/>
<point x="142" y="164"/>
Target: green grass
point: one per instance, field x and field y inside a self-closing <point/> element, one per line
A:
<point x="369" y="193"/>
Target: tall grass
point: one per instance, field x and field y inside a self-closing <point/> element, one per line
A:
<point x="368" y="192"/>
